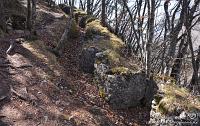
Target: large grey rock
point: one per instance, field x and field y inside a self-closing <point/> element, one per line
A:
<point x="125" y="91"/>
<point x="87" y="59"/>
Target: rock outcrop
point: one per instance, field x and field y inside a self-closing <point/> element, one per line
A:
<point x="120" y="84"/>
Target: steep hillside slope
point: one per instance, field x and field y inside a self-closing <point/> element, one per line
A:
<point x="46" y="90"/>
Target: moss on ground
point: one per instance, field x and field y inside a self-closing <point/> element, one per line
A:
<point x="176" y="98"/>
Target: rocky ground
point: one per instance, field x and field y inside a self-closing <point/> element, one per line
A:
<point x="39" y="89"/>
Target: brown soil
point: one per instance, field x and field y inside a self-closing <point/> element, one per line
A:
<point x="53" y="91"/>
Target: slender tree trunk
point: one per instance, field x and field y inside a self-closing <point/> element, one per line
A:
<point x="116" y="19"/>
<point x="33" y="31"/>
<point x="167" y="14"/>
<point x="88" y="7"/>
<point x="103" y="12"/>
<point x="81" y="5"/>
<point x="29" y="15"/>
<point x="151" y="7"/>
<point x="176" y="69"/>
<point x="195" y="76"/>
<point x="194" y="81"/>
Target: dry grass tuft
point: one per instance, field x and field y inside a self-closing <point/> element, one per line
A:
<point x="177" y="98"/>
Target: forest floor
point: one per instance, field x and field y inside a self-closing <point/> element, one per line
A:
<point x="51" y="91"/>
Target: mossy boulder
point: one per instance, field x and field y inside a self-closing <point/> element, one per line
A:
<point x="119" y="84"/>
<point x="109" y="45"/>
<point x="99" y="37"/>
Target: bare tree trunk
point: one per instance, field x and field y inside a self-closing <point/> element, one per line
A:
<point x="81" y="5"/>
<point x="151" y="7"/>
<point x="167" y="14"/>
<point x="176" y="69"/>
<point x="198" y="61"/>
<point x="116" y="19"/>
<point x="29" y="15"/>
<point x="88" y="7"/>
<point x="194" y="81"/>
<point x="103" y="12"/>
<point x="33" y="31"/>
